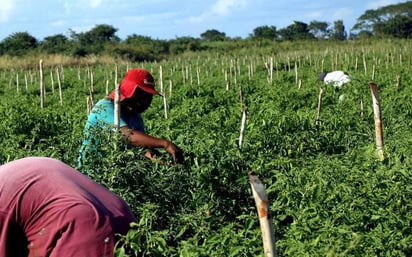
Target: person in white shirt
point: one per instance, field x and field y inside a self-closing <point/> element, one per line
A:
<point x="336" y="78"/>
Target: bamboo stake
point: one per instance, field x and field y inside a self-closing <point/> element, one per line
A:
<point x="198" y="75"/>
<point x="364" y="64"/>
<point x="89" y="105"/>
<point x="235" y="76"/>
<point x="78" y="73"/>
<point x="183" y="76"/>
<point x="107" y="87"/>
<point x="361" y="107"/>
<point x="170" y="87"/>
<point x="378" y="120"/>
<point x="117" y="107"/>
<point x="262" y="202"/>
<point x="319" y="106"/>
<point x="162" y="91"/>
<point x="190" y="75"/>
<point x="59" y="82"/>
<point x="398" y="82"/>
<point x="356" y="63"/>
<point x="26" y="81"/>
<point x="42" y="87"/>
<point x="17" y="83"/>
<point x="271" y="70"/>
<point x="296" y="73"/>
<point x="161" y="79"/>
<point x="52" y="81"/>
<point x="91" y="81"/>
<point x="116" y="71"/>
<point x="242" y="127"/>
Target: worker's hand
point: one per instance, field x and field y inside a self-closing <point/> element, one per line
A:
<point x="175" y="152"/>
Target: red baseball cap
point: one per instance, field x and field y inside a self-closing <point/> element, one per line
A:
<point x="135" y="78"/>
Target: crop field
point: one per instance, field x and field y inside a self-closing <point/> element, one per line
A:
<point x="330" y="193"/>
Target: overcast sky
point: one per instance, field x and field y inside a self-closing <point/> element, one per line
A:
<point x="169" y="19"/>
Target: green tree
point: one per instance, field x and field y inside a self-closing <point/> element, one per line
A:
<point x="213" y="35"/>
<point x="141" y="48"/>
<point x="391" y="20"/>
<point x="95" y="40"/>
<point x="319" y="29"/>
<point x="296" y="31"/>
<point x="338" y="32"/>
<point x="18" y="44"/>
<point x="399" y="26"/>
<point x="58" y="43"/>
<point x="264" y="32"/>
<point x="183" y="44"/>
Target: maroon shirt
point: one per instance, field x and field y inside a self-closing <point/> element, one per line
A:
<point x="49" y="209"/>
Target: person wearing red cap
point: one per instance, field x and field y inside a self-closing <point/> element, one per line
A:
<point x="137" y="89"/>
<point x="48" y="208"/>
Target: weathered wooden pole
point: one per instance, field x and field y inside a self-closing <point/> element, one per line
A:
<point x="398" y="82"/>
<point x="265" y="219"/>
<point x="42" y="86"/>
<point x="319" y="106"/>
<point x="117" y="107"/>
<point x="378" y="121"/>
<point x="242" y="127"/>
<point x="17" y="83"/>
<point x="162" y="90"/>
<point x="59" y="81"/>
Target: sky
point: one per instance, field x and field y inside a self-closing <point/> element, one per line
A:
<point x="170" y="19"/>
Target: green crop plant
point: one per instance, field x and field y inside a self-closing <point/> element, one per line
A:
<point x="329" y="193"/>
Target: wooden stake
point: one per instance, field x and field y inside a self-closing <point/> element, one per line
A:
<point x="378" y="120"/>
<point x="271" y="71"/>
<point x="319" y="106"/>
<point x="398" y="82"/>
<point x="170" y="87"/>
<point x="59" y="81"/>
<point x="89" y="105"/>
<point x="266" y="225"/>
<point x="117" y="106"/>
<point x="116" y="71"/>
<point x="26" y="81"/>
<point x="107" y="87"/>
<point x="198" y="75"/>
<point x="42" y="87"/>
<point x="17" y="83"/>
<point x="242" y="127"/>
<point x="296" y="73"/>
<point x="361" y="107"/>
<point x="52" y="81"/>
<point x="162" y="91"/>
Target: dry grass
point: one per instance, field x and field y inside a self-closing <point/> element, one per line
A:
<point x="32" y="61"/>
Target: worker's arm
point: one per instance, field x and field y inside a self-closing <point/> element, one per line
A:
<point x="138" y="138"/>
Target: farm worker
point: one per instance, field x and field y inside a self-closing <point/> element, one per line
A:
<point x="137" y="89"/>
<point x="49" y="209"/>
<point x="336" y="78"/>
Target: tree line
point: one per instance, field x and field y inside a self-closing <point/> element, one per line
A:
<point x="389" y="21"/>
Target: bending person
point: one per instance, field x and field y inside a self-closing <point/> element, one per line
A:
<point x="49" y="209"/>
<point x="336" y="78"/>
